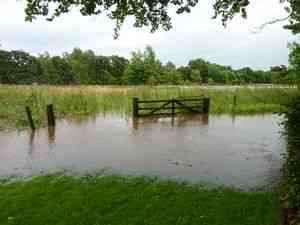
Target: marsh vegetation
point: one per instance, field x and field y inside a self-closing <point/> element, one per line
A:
<point x="90" y="100"/>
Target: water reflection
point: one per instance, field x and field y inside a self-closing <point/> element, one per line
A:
<point x="177" y="121"/>
<point x="197" y="119"/>
<point x="240" y="150"/>
<point x="51" y="135"/>
<point x="78" y="120"/>
<point x="32" y="136"/>
<point x="31" y="141"/>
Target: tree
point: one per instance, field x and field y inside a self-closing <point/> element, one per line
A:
<point x="294" y="60"/>
<point x="215" y="73"/>
<point x="294" y="16"/>
<point x="171" y="75"/>
<point x="55" y="70"/>
<point x="49" y="73"/>
<point x="202" y="67"/>
<point x="196" y="76"/>
<point x="154" y="13"/>
<point x="171" y="66"/>
<point x="153" y="67"/>
<point x="186" y="73"/>
<point x="99" y="70"/>
<point x="5" y="67"/>
<point x="118" y="67"/>
<point x="85" y="67"/>
<point x="19" y="67"/>
<point x="144" y="68"/>
<point x="62" y="70"/>
<point x="280" y="74"/>
<point x="230" y="77"/>
<point x="81" y="63"/>
<point x="134" y="73"/>
<point x="246" y="75"/>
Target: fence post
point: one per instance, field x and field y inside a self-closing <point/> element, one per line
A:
<point x="135" y="104"/>
<point x="51" y="135"/>
<point x="29" y="116"/>
<point x="173" y="108"/>
<point x="50" y="115"/>
<point x="234" y="100"/>
<point x="206" y="105"/>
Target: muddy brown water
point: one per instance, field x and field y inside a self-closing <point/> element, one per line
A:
<point x="242" y="151"/>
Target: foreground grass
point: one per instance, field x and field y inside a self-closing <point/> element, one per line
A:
<point x="89" y="100"/>
<point x="131" y="200"/>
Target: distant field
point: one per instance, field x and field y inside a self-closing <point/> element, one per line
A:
<point x="89" y="100"/>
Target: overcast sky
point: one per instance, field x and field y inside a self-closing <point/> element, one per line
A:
<point x="194" y="35"/>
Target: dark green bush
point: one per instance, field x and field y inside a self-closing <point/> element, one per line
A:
<point x="291" y="168"/>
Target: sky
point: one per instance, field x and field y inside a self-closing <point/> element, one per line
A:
<point x="194" y="35"/>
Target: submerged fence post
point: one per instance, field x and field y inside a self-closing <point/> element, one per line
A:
<point x="173" y="108"/>
<point x="51" y="135"/>
<point x="206" y="105"/>
<point x="135" y="105"/>
<point x="29" y="116"/>
<point x="50" y="115"/>
<point x="234" y="100"/>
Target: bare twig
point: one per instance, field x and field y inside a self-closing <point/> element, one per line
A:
<point x="278" y="20"/>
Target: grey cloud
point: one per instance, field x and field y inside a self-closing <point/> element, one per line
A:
<point x="193" y="35"/>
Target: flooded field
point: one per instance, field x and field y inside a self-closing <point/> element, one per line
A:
<point x="243" y="151"/>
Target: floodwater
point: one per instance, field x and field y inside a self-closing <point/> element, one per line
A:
<point x="242" y="151"/>
<point x="228" y="87"/>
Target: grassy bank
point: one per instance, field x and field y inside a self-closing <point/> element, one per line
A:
<point x="119" y="200"/>
<point x="88" y="100"/>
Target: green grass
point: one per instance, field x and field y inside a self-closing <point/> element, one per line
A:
<point x="87" y="100"/>
<point x="112" y="199"/>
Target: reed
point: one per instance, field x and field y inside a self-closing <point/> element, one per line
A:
<point x="90" y="100"/>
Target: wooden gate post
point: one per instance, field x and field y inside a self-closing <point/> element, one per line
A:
<point x="173" y="108"/>
<point x="135" y="104"/>
<point x="29" y="116"/>
<point x="50" y="115"/>
<point x="206" y="105"/>
<point x="135" y="123"/>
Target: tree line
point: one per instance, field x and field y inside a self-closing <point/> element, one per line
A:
<point x="143" y="68"/>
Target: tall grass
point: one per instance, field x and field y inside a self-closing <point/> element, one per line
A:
<point x="89" y="100"/>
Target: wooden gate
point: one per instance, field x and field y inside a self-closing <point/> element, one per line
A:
<point x="170" y="107"/>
